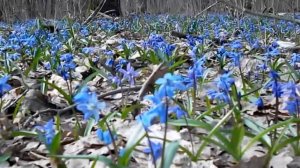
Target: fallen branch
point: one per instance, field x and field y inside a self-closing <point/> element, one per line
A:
<point x="68" y="108"/>
<point x="204" y="10"/>
<point x="178" y="34"/>
<point x="149" y="84"/>
<point x="244" y="10"/>
<point x="94" y="14"/>
<point x="57" y="111"/>
<point x="121" y="90"/>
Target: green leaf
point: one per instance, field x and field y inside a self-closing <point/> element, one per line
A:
<point x="59" y="89"/>
<point x="210" y="110"/>
<point x="200" y="124"/>
<point x="170" y="153"/>
<point x="100" y="72"/>
<point x="296" y="73"/>
<point x="137" y="135"/>
<point x="257" y="129"/>
<point x="177" y="64"/>
<point x="131" y="108"/>
<point x="4" y="157"/>
<point x="267" y="130"/>
<point x="215" y="131"/>
<point x="87" y="79"/>
<point x="55" y="145"/>
<point x="19" y="103"/>
<point x="237" y="137"/>
<point x="89" y="126"/>
<point x="24" y="133"/>
<point x="35" y="61"/>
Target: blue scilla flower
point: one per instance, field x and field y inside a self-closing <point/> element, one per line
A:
<point x="219" y="96"/>
<point x="146" y="119"/>
<point x="271" y="52"/>
<point x="121" y="63"/>
<point x="195" y="72"/>
<point x="170" y="83"/>
<point x="115" y="80"/>
<point x="84" y="31"/>
<point x="236" y="44"/>
<point x="177" y="111"/>
<point x="129" y="74"/>
<point x="235" y="57"/>
<point x="295" y="58"/>
<point x="4" y="86"/>
<point x="66" y="66"/>
<point x="259" y="103"/>
<point x="106" y="136"/>
<point x="225" y="81"/>
<point x="14" y="56"/>
<point x="156" y="150"/>
<point x="47" y="132"/>
<point x="291" y="90"/>
<point x="292" y="107"/>
<point x="88" y="50"/>
<point x="88" y="103"/>
<point x="221" y="52"/>
<point x="274" y="84"/>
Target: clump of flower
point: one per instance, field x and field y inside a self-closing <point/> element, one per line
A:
<point x="47" y="132"/>
<point x="88" y="103"/>
<point x="66" y="66"/>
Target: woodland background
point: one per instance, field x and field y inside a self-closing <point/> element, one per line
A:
<point x="17" y="10"/>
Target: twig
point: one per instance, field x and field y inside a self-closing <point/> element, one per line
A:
<point x="178" y="34"/>
<point x="15" y="101"/>
<point x="259" y="14"/>
<point x="61" y="111"/>
<point x="204" y="10"/>
<point x="57" y="111"/>
<point x="157" y="73"/>
<point x="126" y="89"/>
<point x="93" y="15"/>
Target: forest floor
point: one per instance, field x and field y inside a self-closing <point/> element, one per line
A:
<point x="150" y="91"/>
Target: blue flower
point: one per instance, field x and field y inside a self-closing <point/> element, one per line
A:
<point x="169" y="83"/>
<point x="178" y="111"/>
<point x="88" y="50"/>
<point x="235" y="58"/>
<point x="259" y="103"/>
<point x="14" y="56"/>
<point x="4" y="87"/>
<point x="66" y="66"/>
<point x="156" y="150"/>
<point x="146" y="119"/>
<point x="88" y="104"/>
<point x="122" y="152"/>
<point x="295" y="59"/>
<point x="105" y="136"/>
<point x="237" y="44"/>
<point x="48" y="132"/>
<point x="274" y="84"/>
<point x="115" y="80"/>
<point x="292" y="104"/>
<point x="271" y="52"/>
<point x="218" y="96"/>
<point x="225" y="81"/>
<point x="83" y="95"/>
<point x="292" y="107"/>
<point x="84" y="31"/>
<point x="129" y="74"/>
<point x="110" y="62"/>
